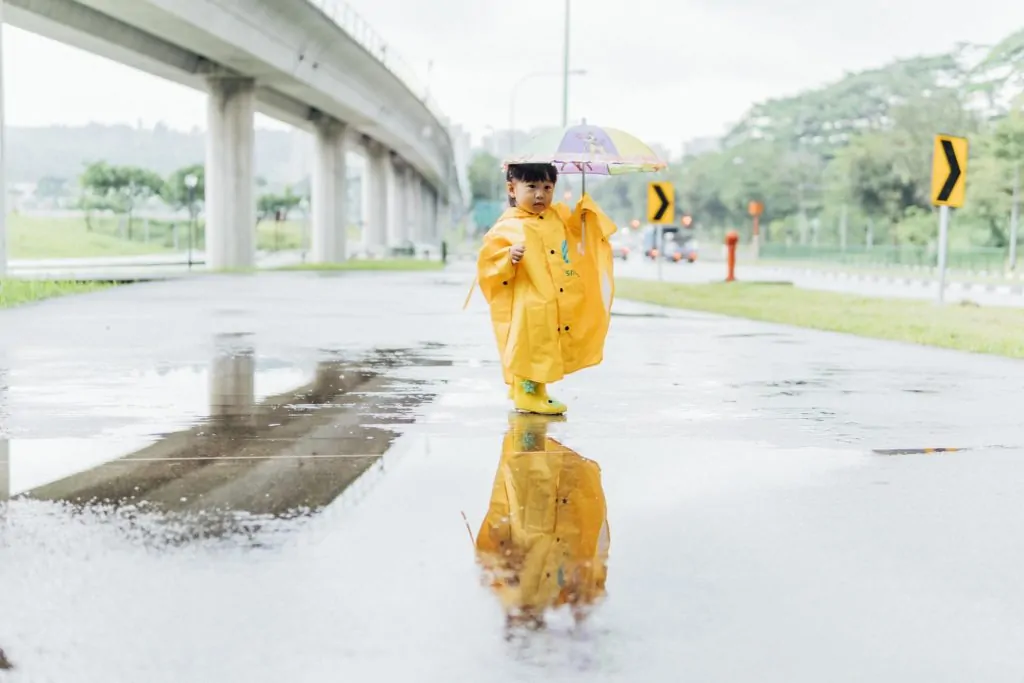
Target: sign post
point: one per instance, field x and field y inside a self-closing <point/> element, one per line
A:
<point x="755" y="209"/>
<point x="949" y="185"/>
<point x="661" y="210"/>
<point x="661" y="203"/>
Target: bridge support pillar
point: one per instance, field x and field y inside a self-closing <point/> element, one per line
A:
<point x="396" y="208"/>
<point x="419" y="216"/>
<point x="330" y="215"/>
<point x="433" y="229"/>
<point x="230" y="202"/>
<point x="412" y="205"/>
<point x="3" y="160"/>
<point x="375" y="188"/>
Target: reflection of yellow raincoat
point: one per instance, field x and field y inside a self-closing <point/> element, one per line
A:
<point x="551" y="311"/>
<point x="545" y="539"/>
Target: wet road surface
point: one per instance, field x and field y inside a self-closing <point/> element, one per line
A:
<point x="223" y="479"/>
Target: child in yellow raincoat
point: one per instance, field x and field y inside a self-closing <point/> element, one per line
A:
<point x="547" y="275"/>
<point x="545" y="540"/>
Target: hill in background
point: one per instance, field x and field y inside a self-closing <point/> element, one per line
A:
<point x="282" y="157"/>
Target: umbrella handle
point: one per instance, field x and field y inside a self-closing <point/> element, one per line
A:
<point x="581" y="247"/>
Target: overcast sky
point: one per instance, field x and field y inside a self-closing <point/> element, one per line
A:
<point x="667" y="70"/>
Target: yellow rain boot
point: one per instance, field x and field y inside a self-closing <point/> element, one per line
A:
<point x="543" y="389"/>
<point x="532" y="397"/>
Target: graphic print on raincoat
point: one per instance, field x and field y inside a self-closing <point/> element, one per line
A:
<point x="550" y="313"/>
<point x="544" y="542"/>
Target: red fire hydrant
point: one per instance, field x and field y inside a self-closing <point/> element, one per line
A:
<point x="732" y="238"/>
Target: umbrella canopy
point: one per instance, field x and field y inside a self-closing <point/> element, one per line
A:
<point x="591" y="150"/>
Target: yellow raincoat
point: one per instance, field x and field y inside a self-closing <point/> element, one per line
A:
<point x="545" y="540"/>
<point x="550" y="312"/>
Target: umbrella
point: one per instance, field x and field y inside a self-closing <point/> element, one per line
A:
<point x="587" y="149"/>
<point x="583" y="149"/>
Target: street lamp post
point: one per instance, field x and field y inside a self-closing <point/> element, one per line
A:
<point x="512" y="100"/>
<point x="565" y="71"/>
<point x="191" y="181"/>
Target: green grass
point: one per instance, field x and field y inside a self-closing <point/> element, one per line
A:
<point x="367" y="264"/>
<point x="18" y="292"/>
<point x="33" y="237"/>
<point x="972" y="328"/>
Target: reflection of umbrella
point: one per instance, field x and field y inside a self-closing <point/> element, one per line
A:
<point x="587" y="149"/>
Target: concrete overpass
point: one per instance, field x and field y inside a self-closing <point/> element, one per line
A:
<point x="311" y="63"/>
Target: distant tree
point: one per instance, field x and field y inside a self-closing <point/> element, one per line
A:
<point x="123" y="186"/>
<point x="485" y="179"/>
<point x="269" y="206"/>
<point x="175" y="191"/>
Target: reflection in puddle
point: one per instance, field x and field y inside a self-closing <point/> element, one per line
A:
<point x="544" y="541"/>
<point x="248" y="468"/>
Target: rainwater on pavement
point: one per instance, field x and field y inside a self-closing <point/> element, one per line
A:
<point x="270" y="477"/>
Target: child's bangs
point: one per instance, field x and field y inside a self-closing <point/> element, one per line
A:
<point x="533" y="173"/>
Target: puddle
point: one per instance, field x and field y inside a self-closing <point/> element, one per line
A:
<point x="252" y="462"/>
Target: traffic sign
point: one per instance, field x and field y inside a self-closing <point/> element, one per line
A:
<point x="661" y="203"/>
<point x="755" y="208"/>
<point x="949" y="171"/>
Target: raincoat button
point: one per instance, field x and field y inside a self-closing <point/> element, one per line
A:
<point x="566" y="328"/>
<point x="552" y="251"/>
<point x="560" y="289"/>
<point x="505" y="282"/>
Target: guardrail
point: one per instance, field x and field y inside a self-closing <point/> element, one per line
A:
<point x="992" y="259"/>
<point x="348" y="20"/>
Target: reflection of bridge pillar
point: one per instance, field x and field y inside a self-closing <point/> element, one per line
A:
<point x="330" y="218"/>
<point x="232" y="379"/>
<point x="230" y="205"/>
<point x="5" y="445"/>
<point x="5" y="469"/>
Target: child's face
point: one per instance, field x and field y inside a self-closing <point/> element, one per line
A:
<point x="532" y="196"/>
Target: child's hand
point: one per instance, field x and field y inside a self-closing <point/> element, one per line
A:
<point x="516" y="253"/>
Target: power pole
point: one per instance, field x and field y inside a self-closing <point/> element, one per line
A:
<point x="565" y="71"/>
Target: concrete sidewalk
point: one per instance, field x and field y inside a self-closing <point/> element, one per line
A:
<point x="755" y="533"/>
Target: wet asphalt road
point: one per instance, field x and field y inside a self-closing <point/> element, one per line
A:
<point x="250" y="528"/>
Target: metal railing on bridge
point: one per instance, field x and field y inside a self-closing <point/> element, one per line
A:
<point x="342" y="14"/>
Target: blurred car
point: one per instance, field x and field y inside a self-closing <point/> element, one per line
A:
<point x="620" y="249"/>
<point x="677" y="251"/>
<point x="679" y="245"/>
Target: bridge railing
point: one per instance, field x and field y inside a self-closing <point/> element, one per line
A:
<point x="342" y="14"/>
